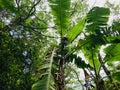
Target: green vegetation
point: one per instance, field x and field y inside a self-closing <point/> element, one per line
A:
<point x="49" y="44"/>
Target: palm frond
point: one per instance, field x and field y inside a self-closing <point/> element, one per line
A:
<point x="47" y="81"/>
<point x="97" y="18"/>
<point x="112" y="33"/>
<point x="60" y="11"/>
<point x="78" y="61"/>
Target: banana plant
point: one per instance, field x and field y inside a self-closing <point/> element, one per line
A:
<point x="92" y="26"/>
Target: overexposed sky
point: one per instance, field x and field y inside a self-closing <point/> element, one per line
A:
<point x="101" y="2"/>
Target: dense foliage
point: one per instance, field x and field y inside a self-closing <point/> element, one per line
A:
<point x="44" y="44"/>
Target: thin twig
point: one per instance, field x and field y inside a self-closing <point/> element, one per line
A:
<point x="74" y="9"/>
<point x="30" y="12"/>
<point x="18" y="4"/>
<point x="77" y="76"/>
<point x="39" y="19"/>
<point x="33" y="28"/>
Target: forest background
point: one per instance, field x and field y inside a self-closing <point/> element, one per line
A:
<point x="59" y="45"/>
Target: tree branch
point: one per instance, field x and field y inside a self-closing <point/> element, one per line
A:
<point x="33" y="28"/>
<point x="33" y="7"/>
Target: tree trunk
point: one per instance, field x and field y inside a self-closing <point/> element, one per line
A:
<point x="60" y="76"/>
<point x="100" y="85"/>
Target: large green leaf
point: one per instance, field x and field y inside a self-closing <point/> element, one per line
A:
<point x="112" y="53"/>
<point x="78" y="61"/>
<point x="91" y="56"/>
<point x="90" y="47"/>
<point x="60" y="10"/>
<point x="97" y="18"/>
<point x="46" y="83"/>
<point x="76" y="30"/>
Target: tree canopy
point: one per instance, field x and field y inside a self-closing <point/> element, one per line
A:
<point x="49" y="44"/>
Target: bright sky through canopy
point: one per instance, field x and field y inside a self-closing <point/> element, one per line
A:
<point x="101" y="2"/>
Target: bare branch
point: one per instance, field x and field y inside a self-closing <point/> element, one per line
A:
<point x="32" y="10"/>
<point x="33" y="28"/>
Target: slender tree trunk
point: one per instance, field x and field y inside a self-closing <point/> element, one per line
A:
<point x="60" y="85"/>
<point x="60" y="76"/>
<point x="61" y="79"/>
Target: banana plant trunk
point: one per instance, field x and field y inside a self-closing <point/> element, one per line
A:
<point x="60" y="77"/>
<point x="100" y="85"/>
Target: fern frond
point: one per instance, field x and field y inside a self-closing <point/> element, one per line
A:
<point x="47" y="81"/>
